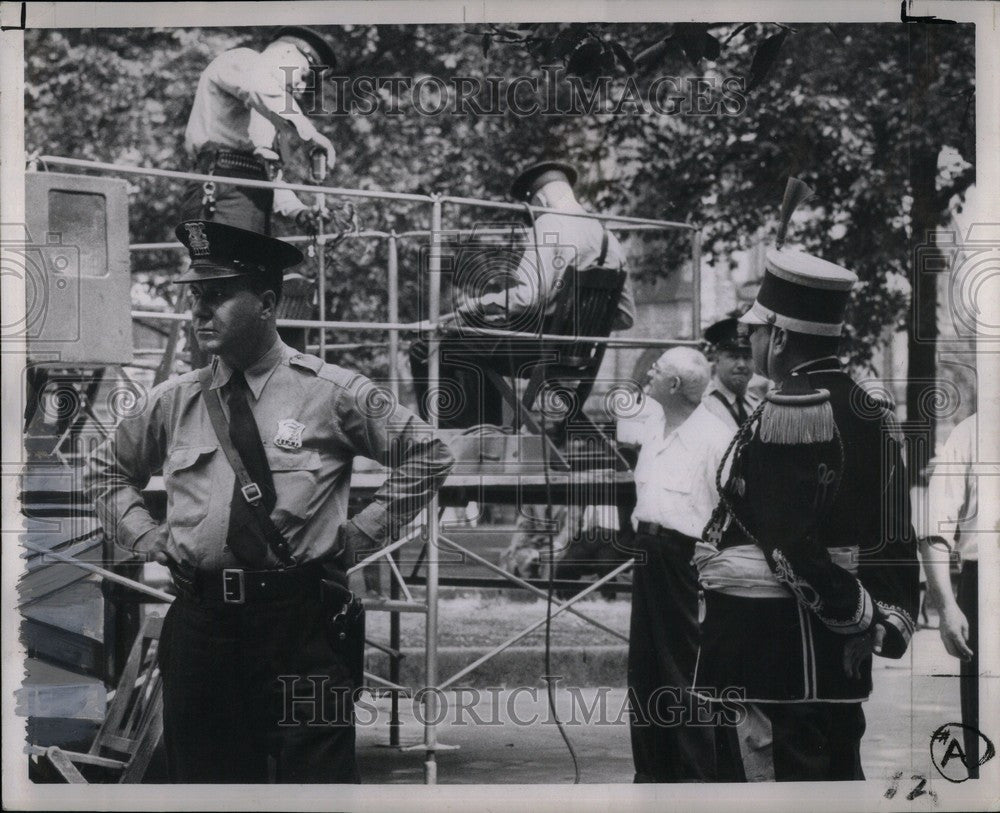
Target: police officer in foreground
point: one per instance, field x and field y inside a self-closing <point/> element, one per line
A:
<point x="808" y="563"/>
<point x="259" y="557"/>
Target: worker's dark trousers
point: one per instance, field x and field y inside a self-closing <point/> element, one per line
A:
<point x="241" y="206"/>
<point x="254" y="693"/>
<point x="968" y="602"/>
<point x="668" y="744"/>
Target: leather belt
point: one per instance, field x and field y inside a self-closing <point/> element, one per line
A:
<point x="652" y="529"/>
<point x="234" y="585"/>
<point x="217" y="160"/>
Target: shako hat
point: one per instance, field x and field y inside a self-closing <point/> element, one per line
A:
<point x="801" y="292"/>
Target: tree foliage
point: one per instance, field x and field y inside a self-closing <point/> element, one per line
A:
<point x="862" y="113"/>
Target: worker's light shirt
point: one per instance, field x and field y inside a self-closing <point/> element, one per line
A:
<point x="675" y="473"/>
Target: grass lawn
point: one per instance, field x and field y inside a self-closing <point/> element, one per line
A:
<point x="486" y="618"/>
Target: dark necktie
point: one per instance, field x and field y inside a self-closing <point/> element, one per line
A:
<point x="244" y="537"/>
<point x="741" y="411"/>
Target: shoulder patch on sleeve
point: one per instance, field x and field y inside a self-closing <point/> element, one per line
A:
<point x="306" y="362"/>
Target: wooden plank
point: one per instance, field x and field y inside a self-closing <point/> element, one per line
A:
<point x="51" y="691"/>
<point x="63" y="648"/>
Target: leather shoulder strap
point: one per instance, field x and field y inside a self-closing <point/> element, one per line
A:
<point x="729" y="407"/>
<point x="251" y="491"/>
<point x="604" y="244"/>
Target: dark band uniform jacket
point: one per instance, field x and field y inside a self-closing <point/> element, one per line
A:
<point x="832" y="550"/>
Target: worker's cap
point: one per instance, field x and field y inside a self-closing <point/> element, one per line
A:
<point x="725" y="335"/>
<point x="313" y="45"/>
<point x="537" y="175"/>
<point x="219" y="251"/>
<point x="801" y="292"/>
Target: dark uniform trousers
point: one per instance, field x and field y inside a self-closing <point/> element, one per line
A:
<point x="663" y="647"/>
<point x="254" y="693"/>
<point x="792" y="742"/>
<point x="241" y="206"/>
<point x="968" y="602"/>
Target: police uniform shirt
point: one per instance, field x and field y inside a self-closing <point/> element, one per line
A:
<point x="953" y="493"/>
<point x="727" y="412"/>
<point x="675" y="472"/>
<point x="562" y="241"/>
<point x="313" y="419"/>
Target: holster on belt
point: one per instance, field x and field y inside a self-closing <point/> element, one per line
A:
<point x="344" y="620"/>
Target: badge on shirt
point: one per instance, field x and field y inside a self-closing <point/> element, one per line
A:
<point x="289" y="435"/>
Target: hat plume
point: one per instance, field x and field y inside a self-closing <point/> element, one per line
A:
<point x="796" y="192"/>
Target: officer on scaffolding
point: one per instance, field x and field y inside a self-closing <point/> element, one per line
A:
<point x="256" y="451"/>
<point x="245" y="109"/>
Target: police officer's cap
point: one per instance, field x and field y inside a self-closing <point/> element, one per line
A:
<point x="221" y="251"/>
<point x="532" y="178"/>
<point x="322" y="50"/>
<point x="725" y="335"/>
<point x="801" y="292"/>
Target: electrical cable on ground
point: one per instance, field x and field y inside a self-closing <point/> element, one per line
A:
<point x="549" y="687"/>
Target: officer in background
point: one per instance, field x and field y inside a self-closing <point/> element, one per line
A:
<point x="681" y="447"/>
<point x="244" y="112"/>
<point x="953" y="511"/>
<point x="728" y="396"/>
<point x="248" y="630"/>
<point x="809" y="562"/>
<point x="559" y="243"/>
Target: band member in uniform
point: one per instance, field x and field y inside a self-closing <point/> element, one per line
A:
<point x="244" y="112"/>
<point x="728" y="396"/>
<point x="953" y="511"/>
<point x="809" y="562"/>
<point x="256" y="453"/>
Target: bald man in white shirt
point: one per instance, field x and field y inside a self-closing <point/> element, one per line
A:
<point x="681" y="448"/>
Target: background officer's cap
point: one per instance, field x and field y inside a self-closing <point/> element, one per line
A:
<point x="219" y="251"/>
<point x="725" y="335"/>
<point x="801" y="292"/>
<point x="533" y="177"/>
<point x="322" y="51"/>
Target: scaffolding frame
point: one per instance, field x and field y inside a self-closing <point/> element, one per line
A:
<point x="431" y="328"/>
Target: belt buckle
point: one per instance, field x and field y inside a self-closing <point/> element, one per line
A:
<point x="233" y="586"/>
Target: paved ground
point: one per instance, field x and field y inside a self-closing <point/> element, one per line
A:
<point x="506" y="736"/>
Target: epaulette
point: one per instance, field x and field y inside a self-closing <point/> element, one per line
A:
<point x="307" y="362"/>
<point x="797" y="413"/>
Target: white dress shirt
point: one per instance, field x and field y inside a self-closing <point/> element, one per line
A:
<point x="675" y="473"/>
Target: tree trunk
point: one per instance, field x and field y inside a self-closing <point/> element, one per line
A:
<point x="923" y="329"/>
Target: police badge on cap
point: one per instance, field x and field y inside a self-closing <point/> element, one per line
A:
<point x="220" y="251"/>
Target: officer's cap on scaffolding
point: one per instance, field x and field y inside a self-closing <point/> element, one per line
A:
<point x="537" y="175"/>
<point x="311" y="43"/>
<point x="219" y="251"/>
